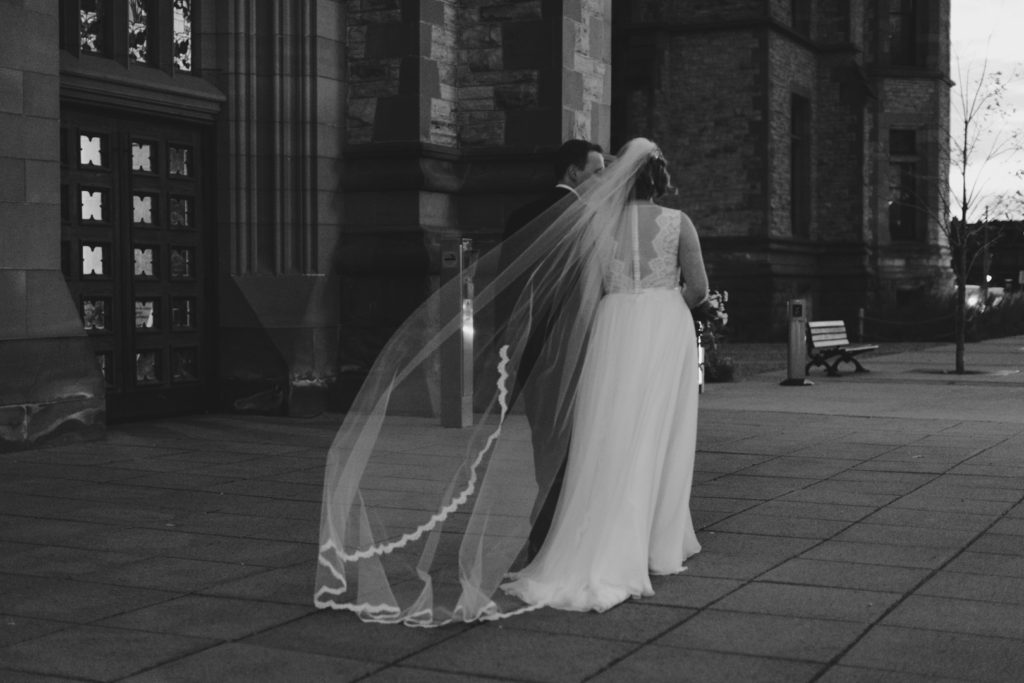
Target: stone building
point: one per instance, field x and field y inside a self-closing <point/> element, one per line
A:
<point x="803" y="136"/>
<point x="228" y="205"/>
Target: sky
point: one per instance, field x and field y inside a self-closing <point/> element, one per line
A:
<point x="993" y="28"/>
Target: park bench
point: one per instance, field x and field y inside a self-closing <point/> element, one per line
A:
<point x="828" y="346"/>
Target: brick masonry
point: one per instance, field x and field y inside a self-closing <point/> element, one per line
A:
<point x="712" y="82"/>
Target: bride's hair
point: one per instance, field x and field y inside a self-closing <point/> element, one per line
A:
<point x="654" y="180"/>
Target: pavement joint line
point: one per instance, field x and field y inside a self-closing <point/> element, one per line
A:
<point x="398" y="662"/>
<point x="912" y="591"/>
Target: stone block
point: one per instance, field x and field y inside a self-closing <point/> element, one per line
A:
<point x="492" y="133"/>
<point x="516" y="96"/>
<point x="330" y="98"/>
<point x="42" y="95"/>
<point x="11" y="91"/>
<point x="330" y="58"/>
<point x="329" y="19"/>
<point x="35" y="37"/>
<point x="13" y="303"/>
<point x="328" y="142"/>
<point x="572" y="89"/>
<point x="510" y="11"/>
<point x="29" y="238"/>
<point x="41" y="138"/>
<point x="50" y="311"/>
<point x="363" y="110"/>
<point x="10" y="142"/>
<point x="12" y="180"/>
<point x="44" y="7"/>
<point x="42" y="182"/>
<point x="431" y="11"/>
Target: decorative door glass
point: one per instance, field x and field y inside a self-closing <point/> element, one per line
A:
<point x="133" y="253"/>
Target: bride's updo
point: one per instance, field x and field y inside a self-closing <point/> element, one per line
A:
<point x="654" y="180"/>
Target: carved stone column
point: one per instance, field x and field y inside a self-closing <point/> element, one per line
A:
<point x="280" y="67"/>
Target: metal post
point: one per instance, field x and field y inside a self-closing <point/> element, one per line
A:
<point x="457" y="350"/>
<point x="701" y="356"/>
<point x="796" y="370"/>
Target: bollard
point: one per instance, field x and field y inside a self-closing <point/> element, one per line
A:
<point x="457" y="350"/>
<point x="796" y="366"/>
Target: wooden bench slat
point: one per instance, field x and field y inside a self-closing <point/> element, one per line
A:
<point x="827" y="340"/>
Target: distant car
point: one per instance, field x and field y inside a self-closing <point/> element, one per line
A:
<point x="983" y="297"/>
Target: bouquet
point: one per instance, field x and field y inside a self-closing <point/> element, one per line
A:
<point x="710" y="318"/>
<point x="710" y="314"/>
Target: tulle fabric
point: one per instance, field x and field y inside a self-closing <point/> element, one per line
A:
<point x="624" y="510"/>
<point x="421" y="524"/>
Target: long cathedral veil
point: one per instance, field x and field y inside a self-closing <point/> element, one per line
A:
<point x="420" y="523"/>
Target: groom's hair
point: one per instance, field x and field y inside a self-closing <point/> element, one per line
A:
<point x="574" y="153"/>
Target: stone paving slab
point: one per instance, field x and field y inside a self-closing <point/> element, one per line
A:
<point x="857" y="576"/>
<point x="243" y="662"/>
<point x="97" y="653"/>
<point x="766" y="635"/>
<point x="936" y="653"/>
<point x="667" y="664"/>
<point x="867" y="528"/>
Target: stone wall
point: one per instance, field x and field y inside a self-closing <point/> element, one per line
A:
<point x="280" y="141"/>
<point x="793" y="70"/>
<point x="696" y="11"/>
<point x="50" y="383"/>
<point x="709" y="118"/>
<point x="479" y="72"/>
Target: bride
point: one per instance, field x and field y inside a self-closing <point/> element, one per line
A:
<point x="425" y="526"/>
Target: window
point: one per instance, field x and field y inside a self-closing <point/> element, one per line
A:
<point x="904" y="210"/>
<point x="903" y="44"/>
<point x="154" y="33"/>
<point x="800" y="166"/>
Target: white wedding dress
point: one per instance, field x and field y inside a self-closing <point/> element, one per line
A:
<point x="624" y="509"/>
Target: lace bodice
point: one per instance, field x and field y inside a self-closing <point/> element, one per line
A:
<point x="649" y="258"/>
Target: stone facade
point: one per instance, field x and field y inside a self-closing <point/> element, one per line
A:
<point x="350" y="140"/>
<point x="717" y="84"/>
<point x="451" y="107"/>
<point x="49" y="382"/>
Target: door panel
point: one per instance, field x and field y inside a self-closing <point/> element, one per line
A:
<point x="134" y="251"/>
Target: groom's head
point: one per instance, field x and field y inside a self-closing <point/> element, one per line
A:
<point x="577" y="160"/>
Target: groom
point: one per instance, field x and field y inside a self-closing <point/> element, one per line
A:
<point x="575" y="162"/>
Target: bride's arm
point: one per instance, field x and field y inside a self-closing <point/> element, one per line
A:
<point x="691" y="262"/>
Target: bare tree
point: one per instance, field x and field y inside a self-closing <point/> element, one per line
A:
<point x="978" y="136"/>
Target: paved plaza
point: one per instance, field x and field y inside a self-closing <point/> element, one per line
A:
<point x="866" y="528"/>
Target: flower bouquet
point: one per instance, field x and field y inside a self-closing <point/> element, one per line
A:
<point x="710" y="318"/>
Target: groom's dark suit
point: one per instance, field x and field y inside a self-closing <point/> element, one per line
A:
<point x="539" y="413"/>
